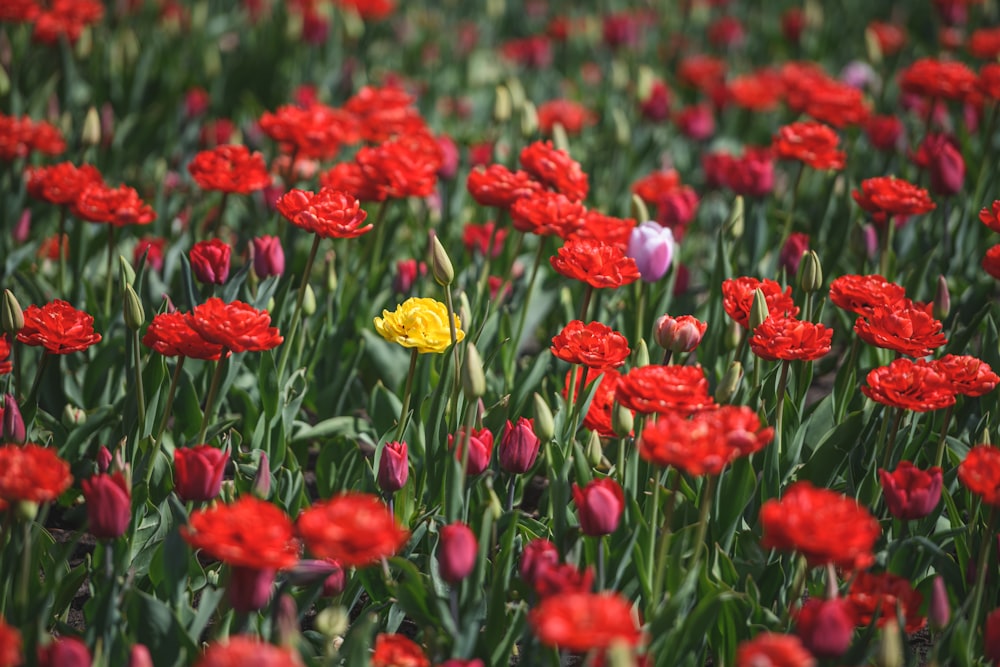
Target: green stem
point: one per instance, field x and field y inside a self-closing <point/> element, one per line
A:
<point x="703" y="516"/>
<point x="158" y="438"/>
<point x="588" y="294"/>
<point x="890" y="232"/>
<point x="62" y="255"/>
<point x="212" y="391"/>
<point x="942" y="443"/>
<point x="664" y="549"/>
<point x="887" y="457"/>
<point x="108" y="278"/>
<point x="984" y="553"/>
<point x="449" y="302"/>
<point x="779" y="409"/>
<point x="140" y="394"/>
<point x="375" y="259"/>
<point x="640" y="332"/>
<point x="289" y="343"/>
<point x="42" y="365"/>
<point x="218" y="218"/>
<point x="790" y="214"/>
<point x="407" y="392"/>
<point x="654" y="501"/>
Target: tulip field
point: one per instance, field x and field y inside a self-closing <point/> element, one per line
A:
<point x="488" y="333"/>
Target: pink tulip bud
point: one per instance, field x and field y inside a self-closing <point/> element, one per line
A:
<point x="64" y="652"/>
<point x="911" y="493"/>
<point x="652" y="248"/>
<point x="268" y="256"/>
<point x="13" y="422"/>
<point x="680" y="334"/>
<point x="537" y="554"/>
<point x="198" y="472"/>
<point x="600" y="505"/>
<point x="940" y="610"/>
<point x="262" y="479"/>
<point x="457" y="552"/>
<point x="103" y="459"/>
<point x="791" y="254"/>
<point x="109" y="505"/>
<point x="22" y="229"/>
<point x="519" y="446"/>
<point x="393" y="467"/>
<point x="825" y="627"/>
<point x="139" y="657"/>
<point x="249" y="588"/>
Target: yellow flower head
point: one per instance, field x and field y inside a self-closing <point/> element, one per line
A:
<point x="419" y="323"/>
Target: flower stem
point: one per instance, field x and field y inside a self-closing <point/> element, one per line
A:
<point x="984" y="553"/>
<point x="511" y="489"/>
<point x="62" y="255"/>
<point x="453" y="410"/>
<point x="588" y="294"/>
<point x="790" y="214"/>
<point x="703" y="516"/>
<point x="140" y="394"/>
<point x="407" y="392"/>
<point x="158" y="437"/>
<point x="109" y="274"/>
<point x="887" y="457"/>
<point x="527" y="296"/>
<point x="212" y="391"/>
<point x="218" y="218"/>
<point x="779" y="409"/>
<point x="286" y="348"/>
<point x="942" y="443"/>
<point x="663" y="552"/>
<point x="600" y="562"/>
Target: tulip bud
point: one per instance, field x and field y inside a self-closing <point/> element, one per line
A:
<point x="560" y="140"/>
<point x="262" y="479"/>
<point x="991" y="636"/>
<point x="13" y="422"/>
<point x="441" y="268"/>
<point x="64" y="652"/>
<point x="538" y="554"/>
<point x="544" y="424"/>
<point x="652" y="248"/>
<point x="940" y="610"/>
<point x="518" y="447"/>
<point x="640" y="357"/>
<point x="198" y="472"/>
<point x="332" y="622"/>
<point x="11" y="317"/>
<point x="210" y="261"/>
<point x="734" y="334"/>
<point x="942" y="299"/>
<point x="890" y="650"/>
<point x="681" y="334"/>
<point x="595" y="452"/>
<point x="73" y="416"/>
<point x="810" y="272"/>
<point x="825" y="627"/>
<point x="132" y="310"/>
<point x="109" y="505"/>
<point x="90" y="135"/>
<point x="734" y="223"/>
<point x="22" y="228"/>
<point x="249" y="588"/>
<point x="393" y="467"/>
<point x="600" y="505"/>
<point x="758" y="311"/>
<point x="331" y="271"/>
<point x="911" y="493"/>
<point x="473" y="378"/>
<point x="622" y="420"/>
<point x="623" y="133"/>
<point x="529" y="119"/>
<point x="730" y="383"/>
<point x="639" y="209"/>
<point x="139" y="657"/>
<point x="103" y="459"/>
<point x="495" y="506"/>
<point x="308" y="301"/>
<point x="26" y="510"/>
<point x="268" y="257"/>
<point x="502" y="105"/>
<point x="287" y="620"/>
<point x="457" y="552"/>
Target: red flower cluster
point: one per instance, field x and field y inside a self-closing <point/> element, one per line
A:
<point x="938" y="79"/>
<point x="547" y="213"/>
<point x="888" y="196"/>
<point x="751" y="175"/>
<point x="598" y="417"/>
<point x="811" y="91"/>
<point x="498" y="186"/>
<point x="863" y="294"/>
<point x="392" y="650"/>
<point x="737" y="298"/>
<point x="66" y="18"/>
<point x="555" y="169"/>
<point x="706" y="443"/>
<point x="62" y="183"/>
<point x="822" y="525"/>
<point x="119" y="206"/>
<point x="236" y="326"/>
<point x="248" y="533"/>
<point x="477" y="239"/>
<point x="32" y="473"/>
<point x="404" y="166"/>
<point x="594" y="345"/>
<point x="172" y="336"/>
<point x="789" y="339"/>
<point x="328" y="213"/>
<point x="383" y="113"/>
<point x="664" y="389"/>
<point x="882" y="594"/>
<point x="811" y="143"/>
<point x="571" y="115"/>
<point x="598" y="264"/>
<point x="316" y="131"/>
<point x="19" y="136"/>
<point x="597" y="226"/>
<point x="238" y="650"/>
<point x="966" y="375"/>
<point x="58" y="327"/>
<point x="901" y="327"/>
<point x="774" y="650"/>
<point x="979" y="471"/>
<point x="540" y="568"/>
<point x="584" y="621"/>
<point x="909" y="385"/>
<point x="229" y="169"/>
<point x="10" y="645"/>
<point x="354" y="529"/>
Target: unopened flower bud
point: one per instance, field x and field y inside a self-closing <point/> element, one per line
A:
<point x="680" y="334"/>
<point x="393" y="467"/>
<point x="132" y="309"/>
<point x="758" y="311"/>
<point x="262" y="479"/>
<point x="623" y="132"/>
<point x="529" y="119"/>
<point x="473" y="377"/>
<point x="730" y="383"/>
<point x="139" y="657"/>
<point x="496" y="507"/>
<point x="640" y="357"/>
<point x="90" y="135"/>
<point x="103" y="458"/>
<point x="13" y="422"/>
<point x="544" y="424"/>
<point x="810" y="272"/>
<point x="734" y="333"/>
<point x="457" y="552"/>
<point x="26" y="510"/>
<point x="560" y="140"/>
<point x="11" y="316"/>
<point x="332" y="622"/>
<point x="622" y="420"/>
<point x="308" y="301"/>
<point x="502" y="105"/>
<point x="464" y="309"/>
<point x="287" y="620"/>
<point x="441" y="268"/>
<point x="331" y="271"/>
<point x="518" y="446"/>
<point x="309" y="571"/>
<point x="940" y="610"/>
<point x="73" y="416"/>
<point x="734" y="223"/>
<point x="942" y="299"/>
<point x="595" y="452"/>
<point x="890" y="650"/>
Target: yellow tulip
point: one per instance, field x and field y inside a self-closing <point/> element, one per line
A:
<point x="419" y="323"/>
